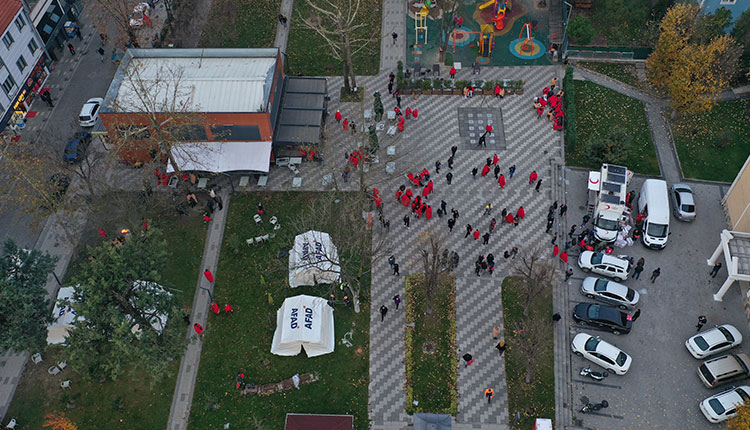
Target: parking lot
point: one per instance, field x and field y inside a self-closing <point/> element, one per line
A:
<point x="662" y="389"/>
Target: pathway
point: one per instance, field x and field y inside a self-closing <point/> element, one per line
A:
<point x="282" y="30"/>
<point x="179" y="413"/>
<point x="393" y="21"/>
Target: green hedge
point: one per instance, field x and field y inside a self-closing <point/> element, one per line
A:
<point x="571" y="132"/>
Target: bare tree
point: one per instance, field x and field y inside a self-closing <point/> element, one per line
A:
<point x="336" y="22"/>
<point x="533" y="337"/>
<point x="448" y="23"/>
<point x="114" y="15"/>
<point x="431" y="245"/>
<point x="537" y="272"/>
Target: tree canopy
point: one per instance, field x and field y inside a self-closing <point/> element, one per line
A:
<point x="693" y="60"/>
<point x="24" y="308"/>
<point x="122" y="309"/>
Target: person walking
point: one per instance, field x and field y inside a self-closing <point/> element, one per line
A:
<point x="452" y="72"/>
<point x="554" y="238"/>
<point x="198" y="328"/>
<point x="101" y="53"/>
<point x="538" y="185"/>
<point x="476" y="234"/>
<point x="489" y="393"/>
<point x="715" y="270"/>
<point x="468" y="230"/>
<point x="495" y="332"/>
<point x="474" y="172"/>
<point x="501" y="347"/>
<point x="209" y="276"/>
<point x="444" y="206"/>
<point x="655" y="274"/>
<point x="71" y="48"/>
<point x="383" y="311"/>
<point x="449" y="177"/>
<point x="468" y="359"/>
<point x="511" y="171"/>
<point x="636" y="315"/>
<point x="563" y="209"/>
<point x="702" y="320"/>
<point x="533" y="177"/>
<point x="395" y="269"/>
<point x="454" y="148"/>
<point x="486" y="239"/>
<point x="637" y="272"/>
<point x="406" y="221"/>
<point x="338" y="118"/>
<point x="394" y="35"/>
<point x="438" y="165"/>
<point x="497" y="171"/>
<point x="450" y="162"/>
<point x="451" y="224"/>
<point x="397" y="300"/>
<point x="391" y="261"/>
<point x="568" y="273"/>
<point x="487" y="208"/>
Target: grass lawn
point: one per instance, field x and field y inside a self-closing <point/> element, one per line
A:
<point x="714" y="145"/>
<point x="310" y="55"/>
<point x="601" y="110"/>
<point x="254" y="281"/>
<point x="240" y="24"/>
<point x="130" y="402"/>
<point x="624" y="73"/>
<point x="538" y="398"/>
<point x="431" y="372"/>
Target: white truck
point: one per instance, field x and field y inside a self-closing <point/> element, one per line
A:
<point x="608" y="189"/>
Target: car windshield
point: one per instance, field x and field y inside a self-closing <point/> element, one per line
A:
<point x="717" y="406"/>
<point x="683" y="190"/>
<point x="606" y="224"/>
<point x="596" y="258"/>
<point x="702" y="344"/>
<point x="591" y="344"/>
<point x="621" y="358"/>
<point x="630" y="294"/>
<point x="657" y="230"/>
<point x="600" y="285"/>
<point x="84" y="118"/>
<point x="743" y="394"/>
<point x="726" y="334"/>
<point x="688" y="208"/>
<point x="593" y="312"/>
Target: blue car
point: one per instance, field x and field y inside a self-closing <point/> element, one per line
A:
<point x="75" y="150"/>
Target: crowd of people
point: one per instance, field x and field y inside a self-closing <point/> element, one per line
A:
<point x="552" y="102"/>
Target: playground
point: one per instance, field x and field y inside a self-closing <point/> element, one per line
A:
<point x="489" y="32"/>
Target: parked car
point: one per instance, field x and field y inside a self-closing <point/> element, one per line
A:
<point x="90" y="112"/>
<point x="606" y="317"/>
<point x="603" y="264"/>
<point x="683" y="204"/>
<point x="609" y="292"/>
<point x="713" y="341"/>
<point x="726" y="368"/>
<point x="602" y="353"/>
<point x="75" y="150"/>
<point x="720" y="407"/>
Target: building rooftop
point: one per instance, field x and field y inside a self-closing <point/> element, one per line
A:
<point x="8" y="11"/>
<point x="193" y="80"/>
<point x="739" y="247"/>
<point x="301" y="113"/>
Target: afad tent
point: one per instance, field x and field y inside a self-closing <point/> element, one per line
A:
<point x="64" y="317"/>
<point x="313" y="260"/>
<point x="303" y="321"/>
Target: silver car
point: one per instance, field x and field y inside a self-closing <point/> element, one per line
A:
<point x="609" y="292"/>
<point x="683" y="204"/>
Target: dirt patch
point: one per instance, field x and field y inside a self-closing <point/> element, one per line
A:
<point x="189" y="18"/>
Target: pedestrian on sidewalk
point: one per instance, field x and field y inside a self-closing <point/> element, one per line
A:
<point x="497" y="171"/>
<point x="487" y="208"/>
<point x="438" y="165"/>
<point x="495" y="332"/>
<point x="637" y="272"/>
<point x="702" y="320"/>
<point x="468" y="230"/>
<point x="449" y="177"/>
<point x="538" y="185"/>
<point x="394" y="35"/>
<point x="486" y="239"/>
<point x="533" y="177"/>
<point x="450" y="162"/>
<point x="198" y="328"/>
<point x="395" y="269"/>
<point x="715" y="270"/>
<point x="554" y="238"/>
<point x="454" y="148"/>
<point x="655" y="274"/>
<point x="452" y="72"/>
<point x="474" y="172"/>
<point x="406" y="221"/>
<point x="511" y="171"/>
<point x="563" y="209"/>
<point x="550" y="222"/>
<point x="468" y="359"/>
<point x="391" y="261"/>
<point x="451" y="224"/>
<point x="71" y="48"/>
<point x="489" y="393"/>
<point x="476" y="234"/>
<point x="338" y="120"/>
<point x="383" y="311"/>
<point x="568" y="273"/>
<point x="397" y="300"/>
<point x="101" y="53"/>
<point x="209" y="276"/>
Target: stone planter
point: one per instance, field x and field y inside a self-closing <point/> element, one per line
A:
<point x="458" y="92"/>
<point x="427" y="92"/>
<point x="406" y="91"/>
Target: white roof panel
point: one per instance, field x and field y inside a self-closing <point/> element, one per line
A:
<point x="224" y="84"/>
<point x="221" y="157"/>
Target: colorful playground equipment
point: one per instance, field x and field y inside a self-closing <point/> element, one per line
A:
<point x="420" y="25"/>
<point x="486" y="40"/>
<point x="526" y="47"/>
<point x="499" y="9"/>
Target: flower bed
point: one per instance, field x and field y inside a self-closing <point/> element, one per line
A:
<point x="431" y="363"/>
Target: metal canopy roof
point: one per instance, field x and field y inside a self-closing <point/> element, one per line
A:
<point x="735" y="247"/>
<point x="303" y="104"/>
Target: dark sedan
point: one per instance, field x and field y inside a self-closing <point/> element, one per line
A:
<point x="606" y="317"/>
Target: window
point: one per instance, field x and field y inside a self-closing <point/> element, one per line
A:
<point x="21" y="63"/>
<point x="8" y="40"/>
<point x="9" y="84"/>
<point x="33" y="46"/>
<point x="20" y="22"/>
<point x="236" y="132"/>
<point x="728" y="1"/>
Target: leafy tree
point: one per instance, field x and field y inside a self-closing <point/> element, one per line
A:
<point x="628" y="26"/>
<point x="674" y="33"/>
<point x="59" y="422"/>
<point x="119" y="301"/>
<point x="612" y="148"/>
<point x="741" y="33"/>
<point x="580" y="30"/>
<point x="24" y="308"/>
<point x="711" y="25"/>
<point x="741" y="421"/>
<point x="377" y="106"/>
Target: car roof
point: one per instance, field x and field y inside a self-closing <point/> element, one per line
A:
<point x="615" y="287"/>
<point x="714" y="335"/>
<point x="607" y="349"/>
<point x="611" y="259"/>
<point x="730" y="396"/>
<point x="687" y="198"/>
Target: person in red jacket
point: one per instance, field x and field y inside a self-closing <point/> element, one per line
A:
<point x="476" y="234"/>
<point x="346" y="124"/>
<point x="533" y="177"/>
<point x="452" y="72"/>
<point x="501" y="181"/>
<point x="210" y="276"/>
<point x="485" y="170"/>
<point x="338" y="116"/>
<point x="520" y="212"/>
<point x="495" y="159"/>
<point x="488" y="128"/>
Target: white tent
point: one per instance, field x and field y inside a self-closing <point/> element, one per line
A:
<point x="304" y="321"/>
<point x="313" y="260"/>
<point x="64" y="317"/>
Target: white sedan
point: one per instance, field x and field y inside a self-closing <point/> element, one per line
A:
<point x="90" y="112"/>
<point x="609" y="292"/>
<point x="720" y="407"/>
<point x="602" y="353"/>
<point x="713" y="341"/>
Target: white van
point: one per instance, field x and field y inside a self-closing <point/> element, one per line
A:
<point x="653" y="205"/>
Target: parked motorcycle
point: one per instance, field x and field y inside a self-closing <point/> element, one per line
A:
<point x="596" y="376"/>
<point x="589" y="407"/>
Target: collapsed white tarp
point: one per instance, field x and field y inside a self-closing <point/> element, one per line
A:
<point x="313" y="260"/>
<point x="158" y="321"/>
<point x="219" y="157"/>
<point x="304" y="321"/>
<point x="64" y="317"/>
